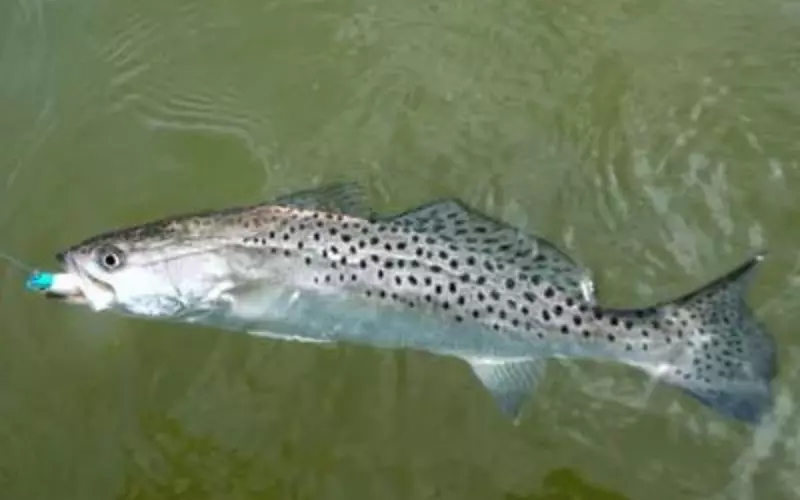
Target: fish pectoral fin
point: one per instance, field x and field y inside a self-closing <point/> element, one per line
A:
<point x="346" y="198"/>
<point x="509" y="382"/>
<point x="287" y="336"/>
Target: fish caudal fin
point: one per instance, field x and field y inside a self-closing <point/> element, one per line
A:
<point x="724" y="357"/>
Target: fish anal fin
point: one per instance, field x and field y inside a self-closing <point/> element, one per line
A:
<point x="346" y="198"/>
<point x="509" y="382"/>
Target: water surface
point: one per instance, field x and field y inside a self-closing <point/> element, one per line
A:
<point x="655" y="141"/>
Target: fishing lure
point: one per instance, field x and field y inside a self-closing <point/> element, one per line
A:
<point x="60" y="283"/>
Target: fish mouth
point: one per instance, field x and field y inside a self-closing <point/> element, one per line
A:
<point x="90" y="292"/>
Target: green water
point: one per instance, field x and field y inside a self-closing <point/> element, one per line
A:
<point x="656" y="141"/>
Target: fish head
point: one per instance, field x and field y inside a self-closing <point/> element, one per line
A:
<point x="159" y="270"/>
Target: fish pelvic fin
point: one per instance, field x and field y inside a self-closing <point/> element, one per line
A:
<point x="726" y="360"/>
<point x="510" y="382"/>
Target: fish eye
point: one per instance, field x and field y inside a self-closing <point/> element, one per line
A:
<point x="109" y="258"/>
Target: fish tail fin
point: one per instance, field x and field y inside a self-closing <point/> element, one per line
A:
<point x="726" y="358"/>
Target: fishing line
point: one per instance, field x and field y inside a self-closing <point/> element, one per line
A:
<point x="37" y="280"/>
<point x="16" y="263"/>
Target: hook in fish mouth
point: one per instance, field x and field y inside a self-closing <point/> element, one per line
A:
<point x="73" y="285"/>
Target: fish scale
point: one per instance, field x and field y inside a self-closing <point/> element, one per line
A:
<point x="319" y="266"/>
<point x="395" y="262"/>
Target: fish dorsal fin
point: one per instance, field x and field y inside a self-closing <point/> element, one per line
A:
<point x="509" y="382"/>
<point x="346" y="198"/>
<point x="454" y="221"/>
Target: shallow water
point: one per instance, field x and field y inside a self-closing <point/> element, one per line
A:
<point x="655" y="141"/>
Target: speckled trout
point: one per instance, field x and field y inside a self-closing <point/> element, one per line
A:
<point x="317" y="266"/>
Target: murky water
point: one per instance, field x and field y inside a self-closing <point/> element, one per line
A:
<point x="656" y="141"/>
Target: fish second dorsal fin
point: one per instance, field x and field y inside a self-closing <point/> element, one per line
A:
<point x="346" y="198"/>
<point x="455" y="221"/>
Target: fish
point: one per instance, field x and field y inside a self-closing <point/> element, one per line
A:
<point x="319" y="266"/>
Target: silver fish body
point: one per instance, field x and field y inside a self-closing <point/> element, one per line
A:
<point x="317" y="267"/>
